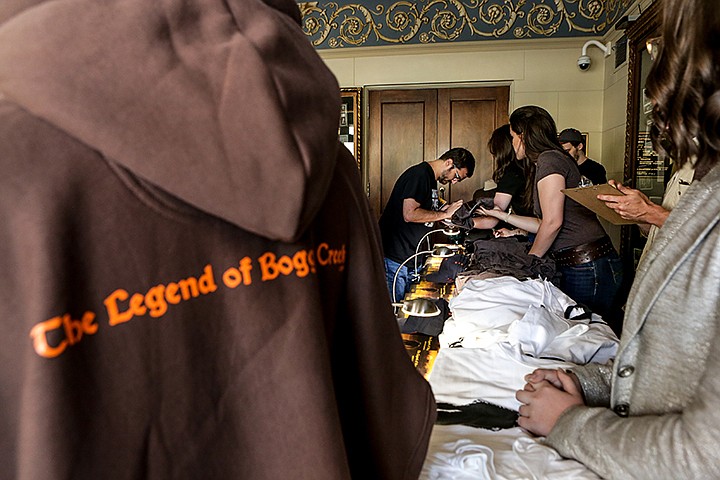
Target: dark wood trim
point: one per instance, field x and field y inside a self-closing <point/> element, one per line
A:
<point x="355" y="93"/>
<point x="644" y="28"/>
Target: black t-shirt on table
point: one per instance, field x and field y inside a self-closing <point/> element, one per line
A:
<point x="400" y="238"/>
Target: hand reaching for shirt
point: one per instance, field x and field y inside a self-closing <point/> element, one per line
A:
<point x="495" y="212"/>
<point x="451" y="208"/>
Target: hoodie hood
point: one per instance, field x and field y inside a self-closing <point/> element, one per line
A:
<point x="223" y="104"/>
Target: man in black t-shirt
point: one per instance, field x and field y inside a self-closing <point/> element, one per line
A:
<point x="412" y="208"/>
<point x="574" y="143"/>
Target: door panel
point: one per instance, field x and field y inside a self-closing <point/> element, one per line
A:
<point x="403" y="132"/>
<point x="467" y="118"/>
<point x="409" y="126"/>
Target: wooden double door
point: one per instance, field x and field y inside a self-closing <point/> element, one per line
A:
<point x="408" y="126"/>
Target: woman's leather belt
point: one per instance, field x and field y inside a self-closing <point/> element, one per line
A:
<point x="584" y="253"/>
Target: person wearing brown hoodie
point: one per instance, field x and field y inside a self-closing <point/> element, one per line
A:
<point x="190" y="272"/>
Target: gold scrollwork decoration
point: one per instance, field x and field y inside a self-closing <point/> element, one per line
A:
<point x="403" y="18"/>
<point x="501" y="15"/>
<point x="542" y="20"/>
<point x="447" y="24"/>
<point x="341" y="24"/>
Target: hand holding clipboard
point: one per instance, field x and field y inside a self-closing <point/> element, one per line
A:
<point x="587" y="196"/>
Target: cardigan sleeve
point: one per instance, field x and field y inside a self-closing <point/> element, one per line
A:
<point x="595" y="380"/>
<point x="673" y="427"/>
<point x="675" y="445"/>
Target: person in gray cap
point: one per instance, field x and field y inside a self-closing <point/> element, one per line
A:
<point x="574" y="143"/>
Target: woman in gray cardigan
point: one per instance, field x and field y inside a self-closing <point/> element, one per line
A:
<point x="655" y="412"/>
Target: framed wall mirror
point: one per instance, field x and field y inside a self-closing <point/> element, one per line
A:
<point x="643" y="168"/>
<point x="350" y="128"/>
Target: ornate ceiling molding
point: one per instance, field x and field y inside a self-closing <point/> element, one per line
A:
<point x="342" y="24"/>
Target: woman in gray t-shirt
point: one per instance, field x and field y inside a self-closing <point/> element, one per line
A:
<point x="568" y="232"/>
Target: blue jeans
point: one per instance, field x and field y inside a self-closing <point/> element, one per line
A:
<point x="403" y="281"/>
<point x="595" y="284"/>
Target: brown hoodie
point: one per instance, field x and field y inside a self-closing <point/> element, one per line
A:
<point x="192" y="286"/>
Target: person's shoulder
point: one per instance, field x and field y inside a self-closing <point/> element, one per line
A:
<point x="512" y="179"/>
<point x="514" y="168"/>
<point x="549" y="155"/>
<point x="417" y="170"/>
<point x="595" y="165"/>
<point x="51" y="145"/>
<point x="552" y="158"/>
<point x="512" y="173"/>
<point x="416" y="181"/>
<point x="554" y="162"/>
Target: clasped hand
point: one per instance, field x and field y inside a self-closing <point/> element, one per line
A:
<point x="546" y="395"/>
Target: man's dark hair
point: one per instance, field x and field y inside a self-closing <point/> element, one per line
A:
<point x="462" y="158"/>
<point x="574" y="137"/>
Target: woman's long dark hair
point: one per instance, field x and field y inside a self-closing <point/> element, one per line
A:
<point x="684" y="84"/>
<point x="501" y="148"/>
<point x="538" y="130"/>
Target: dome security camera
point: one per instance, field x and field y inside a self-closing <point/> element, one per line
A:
<point x="584" y="62"/>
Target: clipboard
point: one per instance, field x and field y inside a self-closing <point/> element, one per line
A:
<point x="587" y="197"/>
